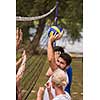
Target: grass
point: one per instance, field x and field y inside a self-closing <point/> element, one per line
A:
<point x="77" y="83"/>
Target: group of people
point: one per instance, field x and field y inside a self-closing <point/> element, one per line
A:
<point x="20" y="64"/>
<point x="60" y="73"/>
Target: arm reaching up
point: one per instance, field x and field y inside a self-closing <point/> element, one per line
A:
<point x="22" y="67"/>
<point x="19" y="36"/>
<point x="51" y="55"/>
<point x="40" y="93"/>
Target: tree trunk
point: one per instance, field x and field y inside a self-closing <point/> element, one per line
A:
<point x="37" y="37"/>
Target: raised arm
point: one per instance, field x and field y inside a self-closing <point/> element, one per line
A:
<point x="51" y="55"/>
<point x="19" y="36"/>
<point x="40" y="93"/>
<point x="48" y="86"/>
<point x="22" y="67"/>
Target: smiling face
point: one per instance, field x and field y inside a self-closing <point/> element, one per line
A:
<point x="61" y="63"/>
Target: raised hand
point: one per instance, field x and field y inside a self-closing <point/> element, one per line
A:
<point x="19" y="36"/>
<point x="40" y="93"/>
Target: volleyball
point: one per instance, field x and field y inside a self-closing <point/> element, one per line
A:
<point x="54" y="30"/>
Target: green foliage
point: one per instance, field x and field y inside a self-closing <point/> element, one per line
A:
<point x="71" y="17"/>
<point x="70" y="13"/>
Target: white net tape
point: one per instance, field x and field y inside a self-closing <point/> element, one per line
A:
<point x="19" y="18"/>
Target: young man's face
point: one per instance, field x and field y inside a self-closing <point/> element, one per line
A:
<point x="61" y="63"/>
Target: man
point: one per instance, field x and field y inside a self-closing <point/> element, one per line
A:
<point x="63" y="62"/>
<point x="57" y="51"/>
<point x="58" y="81"/>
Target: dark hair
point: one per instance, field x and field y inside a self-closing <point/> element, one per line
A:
<point x="58" y="48"/>
<point x="66" y="57"/>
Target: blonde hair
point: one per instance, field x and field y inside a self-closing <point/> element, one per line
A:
<point x="59" y="77"/>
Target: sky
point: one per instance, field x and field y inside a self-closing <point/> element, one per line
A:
<point x="67" y="45"/>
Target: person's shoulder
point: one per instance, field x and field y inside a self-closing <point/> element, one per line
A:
<point x="69" y="68"/>
<point x="66" y="96"/>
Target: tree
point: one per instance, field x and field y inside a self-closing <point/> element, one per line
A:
<point x="70" y="15"/>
